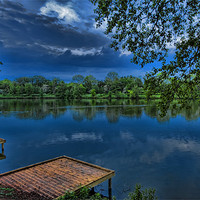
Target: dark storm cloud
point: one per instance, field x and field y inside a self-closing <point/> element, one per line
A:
<point x="32" y="43"/>
<point x="11" y="5"/>
<point x="26" y="36"/>
<point x="20" y="28"/>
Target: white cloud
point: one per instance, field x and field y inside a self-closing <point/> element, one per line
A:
<point x="86" y="137"/>
<point x="125" y="52"/>
<point x="103" y="26"/>
<point x="62" y="12"/>
<point x="84" y="52"/>
<point x="53" y="50"/>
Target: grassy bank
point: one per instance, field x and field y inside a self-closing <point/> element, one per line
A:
<point x="86" y="96"/>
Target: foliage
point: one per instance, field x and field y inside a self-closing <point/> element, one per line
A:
<point x="112" y="86"/>
<point x="89" y="82"/>
<point x="6" y="192"/>
<point x="139" y="194"/>
<point x="149" y="29"/>
<point x="78" y="78"/>
<point x="112" y="76"/>
<point x="82" y="195"/>
<point x="93" y="92"/>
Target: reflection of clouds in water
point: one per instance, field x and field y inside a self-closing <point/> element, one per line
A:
<point x="62" y="138"/>
<point x="126" y="136"/>
<point x="86" y="137"/>
<point x="56" y="140"/>
<point x="149" y="150"/>
<point x="161" y="148"/>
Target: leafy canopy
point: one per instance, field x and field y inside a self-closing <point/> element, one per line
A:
<point x="149" y="29"/>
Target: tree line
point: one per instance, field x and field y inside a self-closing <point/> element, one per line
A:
<point x="113" y="86"/>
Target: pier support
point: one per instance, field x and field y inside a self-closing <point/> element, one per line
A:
<point x="2" y="148"/>
<point x="2" y="141"/>
<point x="110" y="189"/>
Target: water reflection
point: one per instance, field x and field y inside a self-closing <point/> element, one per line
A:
<point x="74" y="137"/>
<point x="2" y="156"/>
<point x="127" y="136"/>
<point x="89" y="109"/>
<point x="32" y="109"/>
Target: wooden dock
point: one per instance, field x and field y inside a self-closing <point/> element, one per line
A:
<point x="2" y="141"/>
<point x="52" y="178"/>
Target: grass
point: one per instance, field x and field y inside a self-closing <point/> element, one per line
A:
<point x="33" y="96"/>
<point x="85" y="96"/>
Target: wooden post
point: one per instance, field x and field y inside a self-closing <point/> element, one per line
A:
<point x="92" y="190"/>
<point x="110" y="189"/>
<point x="2" y="148"/>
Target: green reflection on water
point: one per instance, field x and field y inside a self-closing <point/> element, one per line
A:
<point x="88" y="109"/>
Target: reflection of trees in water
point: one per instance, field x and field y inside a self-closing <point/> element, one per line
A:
<point x="88" y="109"/>
<point x="192" y="113"/>
<point x="32" y="109"/>
<point x="131" y="109"/>
<point x="112" y="114"/>
<point x="85" y="112"/>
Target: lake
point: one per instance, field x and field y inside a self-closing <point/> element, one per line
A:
<point x="126" y="136"/>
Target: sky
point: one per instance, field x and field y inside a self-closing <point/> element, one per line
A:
<point x="57" y="38"/>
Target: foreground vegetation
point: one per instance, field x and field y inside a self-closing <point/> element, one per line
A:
<point x="138" y="194"/>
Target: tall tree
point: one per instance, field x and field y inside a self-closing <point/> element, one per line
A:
<point x="148" y="29"/>
<point x="78" y="78"/>
<point x="89" y="82"/>
<point x="112" y="76"/>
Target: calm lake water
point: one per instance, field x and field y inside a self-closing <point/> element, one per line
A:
<point x="126" y="136"/>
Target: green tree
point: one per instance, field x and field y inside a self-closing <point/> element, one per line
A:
<point x="38" y="80"/>
<point x="53" y="84"/>
<point x="93" y="92"/>
<point x="23" y="80"/>
<point x="28" y="88"/>
<point x="112" y="76"/>
<point x="148" y="29"/>
<point x="78" y="78"/>
<point x="61" y="90"/>
<point x="5" y="85"/>
<point x="78" y="91"/>
<point x="142" y="194"/>
<point x="89" y="82"/>
<point x="13" y="89"/>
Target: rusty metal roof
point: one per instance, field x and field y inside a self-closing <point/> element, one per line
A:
<point x="52" y="178"/>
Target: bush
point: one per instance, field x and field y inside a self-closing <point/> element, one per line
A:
<point x="85" y="193"/>
<point x="82" y="195"/>
<point x="139" y="194"/>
